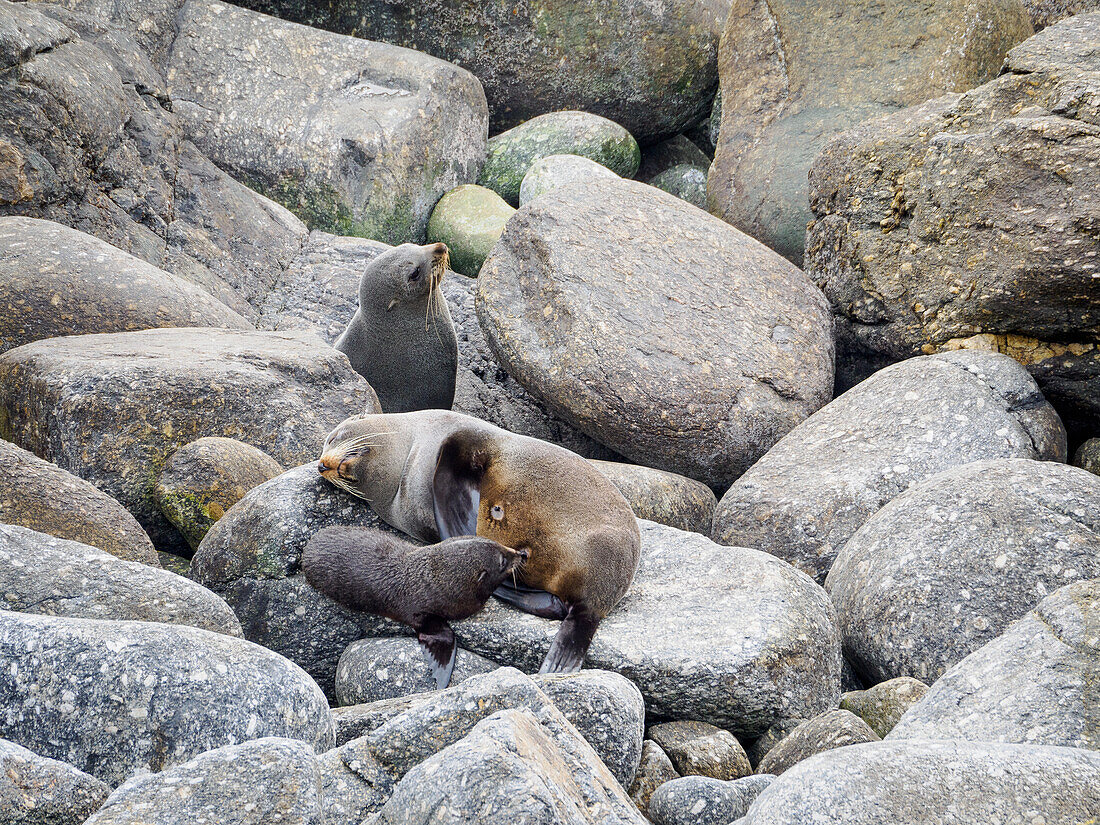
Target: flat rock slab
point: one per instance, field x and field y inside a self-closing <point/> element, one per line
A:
<point x="113" y="408"/>
<point x="113" y="698"/>
<point x="817" y="486"/>
<point x="655" y="328"/>
<point x="35" y="790"/>
<point x="733" y="637"/>
<point x="946" y="566"/>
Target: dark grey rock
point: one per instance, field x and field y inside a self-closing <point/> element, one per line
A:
<point x="688" y="183"/>
<point x="55" y="577"/>
<point x="112" y="698"/>
<point x="947" y="565"/>
<point x="676" y="151"/>
<point x="555" y="171"/>
<point x="654" y="770"/>
<point x="1087" y="456"/>
<point x="770" y="738"/>
<point x="1044" y="13"/>
<point x="882" y="706"/>
<point x="817" y="486"/>
<point x="265" y="781"/>
<point x="833" y="729"/>
<point x="699" y="800"/>
<point x="699" y="749"/>
<point x="702" y="352"/>
<point x="666" y="498"/>
<point x="39" y="791"/>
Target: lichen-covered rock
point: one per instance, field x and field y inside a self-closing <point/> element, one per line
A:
<point x="554" y="171"/>
<point x="113" y="408"/>
<point x="1034" y="684"/>
<point x="260" y="782"/>
<point x="816" y="487"/>
<point x="688" y="183"/>
<point x="40" y="495"/>
<point x="203" y="479"/>
<point x="666" y="498"/>
<point x="654" y="770"/>
<point x="833" y="729"/>
<point x="35" y="790"/>
<point x="469" y="219"/>
<point x="699" y="749"/>
<point x="355" y="137"/>
<point x="656" y="328"/>
<point x="1087" y="456"/>
<point x="796" y="72"/>
<point x="112" y="698"/>
<point x="55" y="577"/>
<point x="882" y="706"/>
<point x="700" y="800"/>
<point x="513" y="153"/>
<point x="946" y="566"/>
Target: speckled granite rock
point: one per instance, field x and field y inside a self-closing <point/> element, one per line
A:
<point x="654" y="770"/>
<point x="555" y="171"/>
<point x="62" y="397"/>
<point x="932" y="782"/>
<point x="699" y="749"/>
<point x="1046" y="12"/>
<point x="947" y="565"/>
<point x="35" y="790"/>
<point x="1034" y="684"/>
<point x="355" y="137"/>
<point x="203" y="479"/>
<point x="882" y="706"/>
<point x="55" y="577"/>
<point x="817" y="486"/>
<point x="688" y="183"/>
<point x="269" y="780"/>
<point x="733" y="637"/>
<point x="700" y="354"/>
<point x="1087" y="456"/>
<point x="469" y="219"/>
<point x="113" y="697"/>
<point x="666" y="498"/>
<point x="832" y="729"/>
<point x="699" y="800"/>
<point x="775" y="734"/>
<point x="40" y="495"/>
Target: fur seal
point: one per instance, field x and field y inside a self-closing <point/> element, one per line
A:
<point x="422" y="587"/>
<point x="436" y="474"/>
<point x="401" y="338"/>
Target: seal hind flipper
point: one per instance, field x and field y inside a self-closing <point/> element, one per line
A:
<point x="567" y="652"/>
<point x="530" y="600"/>
<point x="439" y="640"/>
<point x="456" y="486"/>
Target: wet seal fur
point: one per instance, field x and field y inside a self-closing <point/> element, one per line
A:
<point x="436" y="474"/>
<point x="401" y="338"/>
<point x="422" y="587"/>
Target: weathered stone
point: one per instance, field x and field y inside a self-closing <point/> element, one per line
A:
<point x="1044" y="13"/>
<point x="513" y="153"/>
<point x="676" y="151"/>
<point x="1038" y="683"/>
<point x="796" y="72"/>
<point x="203" y="479"/>
<point x="947" y="565"/>
<point x="654" y="770"/>
<point x="816" y="487"/>
<point x="469" y="219"/>
<point x="833" y="729"/>
<point x="355" y="137"/>
<point x="744" y="340"/>
<point x="688" y="183"/>
<point x="112" y="408"/>
<point x="699" y="749"/>
<point x="882" y="706"/>
<point x="40" y="495"/>
<point x="555" y="171"/>
<point x="699" y="800"/>
<point x="1087" y="456"/>
<point x="255" y="783"/>
<point x="114" y="697"/>
<point x="35" y="790"/>
<point x="665" y="498"/>
<point x="55" y="577"/>
<point x="353" y="721"/>
<point x="770" y="738"/>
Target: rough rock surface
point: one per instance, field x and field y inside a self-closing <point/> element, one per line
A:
<point x="1087" y="456"/>
<point x="947" y="565"/>
<point x="40" y="495"/>
<point x="35" y="790"/>
<point x="666" y="498"/>
<point x="699" y="749"/>
<point x="355" y="137"/>
<point x="469" y="219"/>
<point x="1046" y="12"/>
<point x="676" y="151"/>
<point x="152" y="392"/>
<point x="58" y="281"/>
<point x="55" y="577"/>
<point x="965" y="223"/>
<point x="733" y="637"/>
<point x="554" y="171"/>
<point x="882" y="705"/>
<point x="833" y="729"/>
<point x="692" y="355"/>
<point x="699" y="800"/>
<point x="1035" y="684"/>
<point x="796" y="72"/>
<point x="203" y="479"/>
<point x="112" y="697"/>
<point x="654" y="770"/>
<point x="775" y="734"/>
<point x="817" y="486"/>
<point x="688" y="183"/>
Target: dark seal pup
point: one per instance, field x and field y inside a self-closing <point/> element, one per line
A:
<point x="422" y="587"/>
<point x="401" y="338"/>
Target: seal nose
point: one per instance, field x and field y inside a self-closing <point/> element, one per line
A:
<point x="321" y="467"/>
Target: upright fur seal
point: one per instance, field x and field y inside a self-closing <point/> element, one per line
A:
<point x="401" y="338"/>
<point x="423" y="587"/>
<point x="436" y="474"/>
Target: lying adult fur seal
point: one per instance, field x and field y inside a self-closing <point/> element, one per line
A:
<point x="401" y="338"/>
<point x="436" y="474"/>
<point x="422" y="587"/>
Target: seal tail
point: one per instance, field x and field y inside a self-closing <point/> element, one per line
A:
<point x="567" y="652"/>
<point x="439" y="640"/>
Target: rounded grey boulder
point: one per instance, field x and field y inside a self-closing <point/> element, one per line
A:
<point x="699" y="749"/>
<point x="1087" y="456"/>
<point x="700" y="800"/>
<point x="554" y="171"/>
<point x="833" y="729"/>
<point x="35" y="790"/>
<point x="882" y="705"/>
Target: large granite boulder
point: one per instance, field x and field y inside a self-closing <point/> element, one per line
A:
<point x="113" y="408"/>
<point x="948" y="564"/>
<point x="965" y="222"/>
<point x="1044" y="13"/>
<point x="1034" y="684"/>
<point x="794" y="73"/>
<point x="650" y="67"/>
<point x="555" y="171"/>
<point x="817" y="486"/>
<point x="656" y="328"/>
<point x="35" y="790"/>
<point x="112" y="697"/>
<point x="354" y="137"/>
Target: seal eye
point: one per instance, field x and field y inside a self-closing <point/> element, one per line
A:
<point x="415" y="276"/>
<point x="497" y="512"/>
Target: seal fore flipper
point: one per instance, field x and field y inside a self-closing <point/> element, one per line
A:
<point x="439" y="640"/>
<point x="567" y="651"/>
<point x="456" y="486"/>
<point x="530" y="600"/>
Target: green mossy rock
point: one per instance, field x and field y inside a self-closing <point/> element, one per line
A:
<point x="469" y="219"/>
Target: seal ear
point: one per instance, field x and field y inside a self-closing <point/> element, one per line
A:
<point x="456" y="485"/>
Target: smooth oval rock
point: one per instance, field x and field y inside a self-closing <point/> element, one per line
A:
<point x="688" y="183"/>
<point x="666" y="498"/>
<point x="554" y="171"/>
<point x="35" y="790"/>
<point x="656" y="328"/>
<point x="1087" y="456"/>
<point x="816" y="487"/>
<point x="699" y="749"/>
<point x="700" y="800"/>
<point x="113" y="698"/>
<point x="833" y="729"/>
<point x="469" y="219"/>
<point x="654" y="770"/>
<point x="946" y="566"/>
<point x="882" y="705"/>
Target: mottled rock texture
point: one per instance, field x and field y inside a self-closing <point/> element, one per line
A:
<point x="1087" y="456"/>
<point x="469" y="219"/>
<point x="676" y="151"/>
<point x="35" y="790"/>
<point x="699" y="749"/>
<point x="816" y="487"/>
<point x="688" y="183"/>
<point x="554" y="171"/>
<point x="654" y="770"/>
<point x="666" y="498"/>
<point x="1046" y="12"/>
<point x="698" y="800"/>
<point x="833" y="729"/>
<point x="882" y="705"/>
